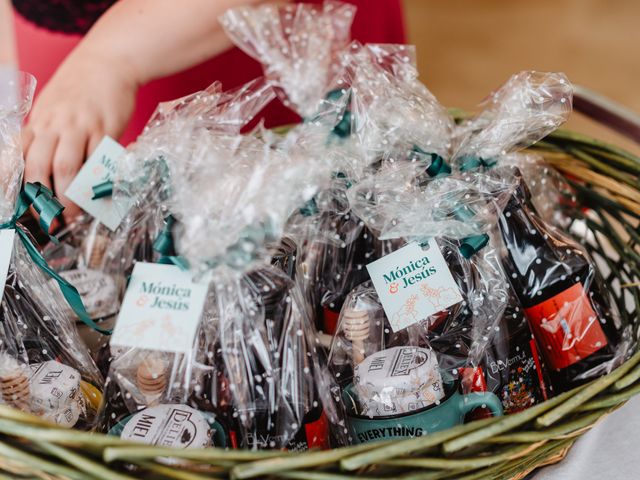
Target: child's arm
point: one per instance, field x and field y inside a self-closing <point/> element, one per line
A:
<point x="92" y="93"/>
<point x="7" y="45"/>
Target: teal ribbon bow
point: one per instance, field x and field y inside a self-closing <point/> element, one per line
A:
<point x="101" y="190"/>
<point x="310" y="208"/>
<point x="48" y="208"/>
<point x="163" y="244"/>
<point x="43" y="202"/>
<point x="471" y="245"/>
<point x="471" y="162"/>
<point x="438" y="166"/>
<point x="343" y="128"/>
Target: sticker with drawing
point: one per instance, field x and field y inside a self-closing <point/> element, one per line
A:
<point x="161" y="309"/>
<point x="413" y="283"/>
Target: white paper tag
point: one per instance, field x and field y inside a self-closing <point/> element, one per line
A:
<point x="7" y="236"/>
<point x="413" y="283"/>
<point x="161" y="309"/>
<point x="100" y="167"/>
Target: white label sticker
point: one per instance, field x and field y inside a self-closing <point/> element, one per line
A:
<point x="161" y="309"/>
<point x="100" y="167"/>
<point x="97" y="289"/>
<point x="7" y="237"/>
<point x="173" y="425"/>
<point x="413" y="283"/>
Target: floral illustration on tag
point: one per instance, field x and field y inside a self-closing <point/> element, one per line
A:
<point x="408" y="312"/>
<point x="413" y="283"/>
<point x="440" y="297"/>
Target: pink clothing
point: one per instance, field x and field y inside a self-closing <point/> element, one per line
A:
<point x="41" y="51"/>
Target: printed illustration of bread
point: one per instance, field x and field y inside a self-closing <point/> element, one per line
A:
<point x="151" y="377"/>
<point x="14" y="383"/>
<point x="356" y="329"/>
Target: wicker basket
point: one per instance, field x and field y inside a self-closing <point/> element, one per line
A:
<point x="606" y="179"/>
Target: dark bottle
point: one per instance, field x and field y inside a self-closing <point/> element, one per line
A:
<point x="295" y="420"/>
<point x="512" y="367"/>
<point x="560" y="291"/>
<point x="342" y="264"/>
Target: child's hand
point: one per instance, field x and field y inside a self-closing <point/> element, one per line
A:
<point x="88" y="97"/>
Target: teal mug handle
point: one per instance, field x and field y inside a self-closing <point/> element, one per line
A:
<point x="471" y="401"/>
<point x="219" y="437"/>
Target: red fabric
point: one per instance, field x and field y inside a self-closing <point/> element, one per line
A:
<point x="40" y="52"/>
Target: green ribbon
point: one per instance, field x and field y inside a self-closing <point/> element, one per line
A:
<point x="42" y="200"/>
<point x="471" y="162"/>
<point x="310" y="208"/>
<point x="163" y="244"/>
<point x="471" y="245"/>
<point x="101" y="190"/>
<point x="438" y="166"/>
<point x="343" y="127"/>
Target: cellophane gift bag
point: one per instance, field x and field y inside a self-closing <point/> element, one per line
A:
<point x="45" y="369"/>
<point x="300" y="48"/>
<point x="231" y="201"/>
<point x="413" y="175"/>
<point x="160" y="383"/>
<point x="573" y="319"/>
<point x="142" y="183"/>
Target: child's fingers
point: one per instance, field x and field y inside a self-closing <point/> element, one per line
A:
<point x="67" y="160"/>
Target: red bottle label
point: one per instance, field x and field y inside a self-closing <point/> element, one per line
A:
<point x="566" y="327"/>
<point x="317" y="433"/>
<point x="473" y="381"/>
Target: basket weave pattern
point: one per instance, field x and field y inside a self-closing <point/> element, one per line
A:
<point x="606" y="180"/>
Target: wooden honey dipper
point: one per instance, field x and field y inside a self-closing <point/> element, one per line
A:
<point x="14" y="384"/>
<point x="356" y="329"/>
<point x="97" y="247"/>
<point x="151" y="377"/>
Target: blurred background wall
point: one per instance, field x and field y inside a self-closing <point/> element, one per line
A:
<point x="466" y="48"/>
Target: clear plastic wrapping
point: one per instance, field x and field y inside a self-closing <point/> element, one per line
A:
<point x="277" y="393"/>
<point x="148" y="390"/>
<point x="298" y="45"/>
<point x="245" y="189"/>
<point x="407" y="382"/>
<point x="394" y="116"/>
<point x="44" y="367"/>
<point x="16" y="94"/>
<point x="529" y="106"/>
<point x="573" y="320"/>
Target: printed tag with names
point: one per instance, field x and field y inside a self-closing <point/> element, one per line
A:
<point x="99" y="168"/>
<point x="6" y="249"/>
<point x="413" y="283"/>
<point x="161" y="309"/>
